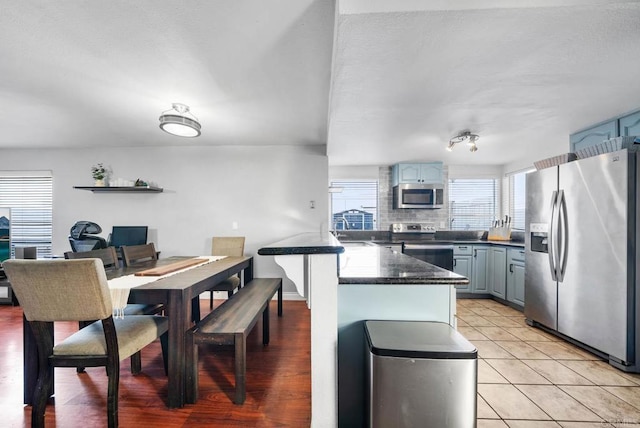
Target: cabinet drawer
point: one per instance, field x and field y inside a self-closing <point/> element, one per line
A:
<point x="462" y="250"/>
<point x="516" y="255"/>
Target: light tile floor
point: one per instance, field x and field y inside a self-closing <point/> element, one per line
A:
<point x="528" y="378"/>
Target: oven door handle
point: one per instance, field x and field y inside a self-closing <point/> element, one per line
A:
<point x="427" y="247"/>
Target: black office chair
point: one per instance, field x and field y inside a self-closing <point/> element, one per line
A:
<point x="83" y="237"/>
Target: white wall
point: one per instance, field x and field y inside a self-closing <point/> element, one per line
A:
<point x="266" y="190"/>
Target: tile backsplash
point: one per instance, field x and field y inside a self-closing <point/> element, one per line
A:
<point x="387" y="215"/>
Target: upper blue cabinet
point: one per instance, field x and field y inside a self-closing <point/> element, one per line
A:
<point x="630" y="124"/>
<point x="622" y="126"/>
<point x="594" y="135"/>
<point x="421" y="173"/>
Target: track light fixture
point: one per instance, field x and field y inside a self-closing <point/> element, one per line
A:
<point x="467" y="137"/>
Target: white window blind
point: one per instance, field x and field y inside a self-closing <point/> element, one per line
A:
<point x="30" y="199"/>
<point x="355" y="207"/>
<point x="517" y="200"/>
<point x="473" y="203"/>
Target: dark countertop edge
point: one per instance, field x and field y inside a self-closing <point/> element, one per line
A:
<point x="517" y="244"/>
<point x="400" y="281"/>
<point x="304" y="243"/>
<point x="280" y="251"/>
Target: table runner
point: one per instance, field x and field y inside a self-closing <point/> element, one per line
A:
<point x="121" y="286"/>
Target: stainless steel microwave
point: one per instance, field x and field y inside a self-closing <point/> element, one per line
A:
<point x="425" y="196"/>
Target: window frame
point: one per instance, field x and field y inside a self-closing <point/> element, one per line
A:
<point x="338" y="186"/>
<point x="29" y="196"/>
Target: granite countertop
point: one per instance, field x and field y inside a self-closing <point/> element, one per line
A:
<point x="372" y="264"/>
<point x="441" y="237"/>
<point x="305" y="243"/>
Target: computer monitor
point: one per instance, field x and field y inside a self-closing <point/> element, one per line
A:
<point x="128" y="235"/>
<point x="5" y="232"/>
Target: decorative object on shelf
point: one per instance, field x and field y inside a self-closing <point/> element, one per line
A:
<point x="180" y="121"/>
<point x="140" y="183"/>
<point x="112" y="189"/>
<point x="98" y="172"/>
<point x="467" y="137"/>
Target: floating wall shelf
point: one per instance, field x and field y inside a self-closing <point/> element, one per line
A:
<point x="121" y="189"/>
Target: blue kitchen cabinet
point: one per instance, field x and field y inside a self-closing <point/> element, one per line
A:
<point x="498" y="271"/>
<point x="480" y="263"/>
<point x="594" y="135"/>
<point x="417" y="173"/>
<point x="630" y="124"/>
<point x="462" y="265"/>
<point x="515" y="276"/>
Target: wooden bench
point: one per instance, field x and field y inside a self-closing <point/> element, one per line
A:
<point x="230" y="324"/>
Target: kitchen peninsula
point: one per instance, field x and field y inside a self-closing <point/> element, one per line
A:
<point x="345" y="285"/>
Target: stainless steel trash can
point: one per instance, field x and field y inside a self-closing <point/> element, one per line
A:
<point x="420" y="374"/>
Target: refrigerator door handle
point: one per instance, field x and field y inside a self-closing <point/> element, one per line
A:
<point x="551" y="239"/>
<point x="563" y="236"/>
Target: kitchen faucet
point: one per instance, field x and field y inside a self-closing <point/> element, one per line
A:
<point x="345" y="224"/>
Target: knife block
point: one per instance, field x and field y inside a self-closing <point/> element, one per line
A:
<point x="499" y="234"/>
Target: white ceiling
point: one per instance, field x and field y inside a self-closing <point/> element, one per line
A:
<point x="379" y="82"/>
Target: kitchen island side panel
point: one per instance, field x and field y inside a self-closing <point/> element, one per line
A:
<point x="360" y="302"/>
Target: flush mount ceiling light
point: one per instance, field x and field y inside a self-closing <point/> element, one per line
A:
<point x="467" y="137"/>
<point x="179" y="121"/>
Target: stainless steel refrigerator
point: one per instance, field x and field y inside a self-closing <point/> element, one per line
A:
<point x="581" y="241"/>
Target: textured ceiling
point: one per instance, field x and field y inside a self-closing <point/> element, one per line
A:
<point x="523" y="78"/>
<point x="77" y="73"/>
<point x="379" y="81"/>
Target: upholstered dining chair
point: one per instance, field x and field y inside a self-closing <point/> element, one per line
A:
<point x="232" y="246"/>
<point x="77" y="290"/>
<point x="109" y="258"/>
<point x="138" y="253"/>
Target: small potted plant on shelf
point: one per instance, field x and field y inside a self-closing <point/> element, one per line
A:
<point x="98" y="172"/>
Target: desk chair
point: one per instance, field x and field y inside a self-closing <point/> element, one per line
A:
<point x="64" y="290"/>
<point x="110" y="261"/>
<point x="232" y="246"/>
<point x="132" y="254"/>
<point x="83" y="236"/>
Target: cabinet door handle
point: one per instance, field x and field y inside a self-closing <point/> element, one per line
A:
<point x="511" y="267"/>
<point x="475" y="253"/>
<point x="455" y="262"/>
<point x="462" y="247"/>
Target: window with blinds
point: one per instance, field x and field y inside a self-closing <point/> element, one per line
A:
<point x="517" y="199"/>
<point x="473" y="203"/>
<point x="354" y="205"/>
<point x="30" y="199"/>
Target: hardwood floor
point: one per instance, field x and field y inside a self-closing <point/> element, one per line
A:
<point x="278" y="381"/>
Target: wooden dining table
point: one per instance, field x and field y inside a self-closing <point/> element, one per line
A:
<point x="176" y="292"/>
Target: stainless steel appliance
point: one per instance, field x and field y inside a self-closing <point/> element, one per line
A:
<point x="419" y="242"/>
<point x="581" y="240"/>
<point x="413" y="195"/>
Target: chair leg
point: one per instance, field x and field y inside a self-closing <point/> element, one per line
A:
<point x="41" y="391"/>
<point x="81" y="325"/>
<point x="113" y="373"/>
<point x="136" y="363"/>
<point x="211" y="300"/>
<point x="240" y="360"/>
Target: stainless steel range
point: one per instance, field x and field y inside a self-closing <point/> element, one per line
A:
<point x="419" y="242"/>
